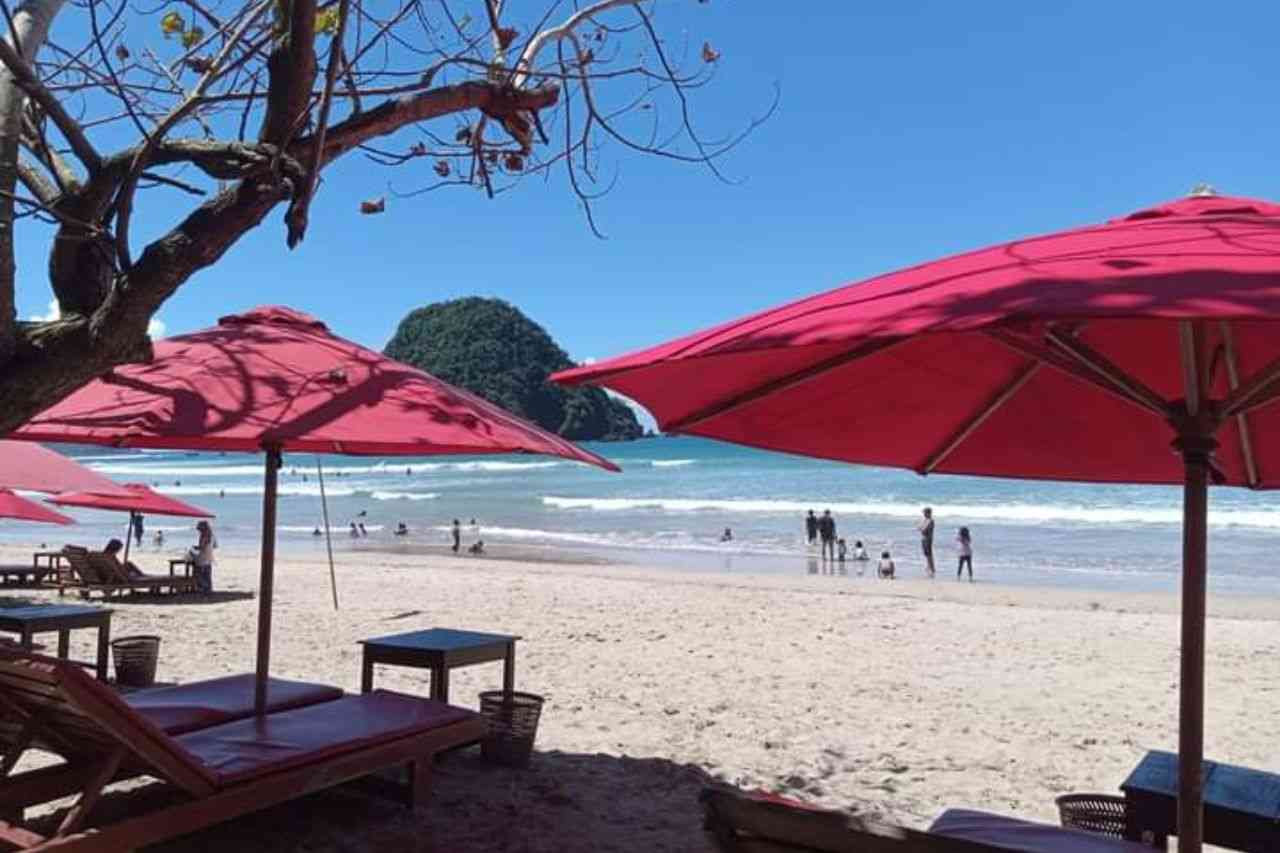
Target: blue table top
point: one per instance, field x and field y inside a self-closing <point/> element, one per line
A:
<point x="1240" y="789"/>
<point x="440" y="640"/>
<point x="32" y="612"/>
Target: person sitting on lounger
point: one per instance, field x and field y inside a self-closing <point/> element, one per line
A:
<point x="112" y="551"/>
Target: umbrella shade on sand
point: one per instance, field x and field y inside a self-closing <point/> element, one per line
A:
<point x="16" y="506"/>
<point x="33" y="468"/>
<point x="277" y="380"/>
<point x="1142" y="350"/>
<point x="135" y="499"/>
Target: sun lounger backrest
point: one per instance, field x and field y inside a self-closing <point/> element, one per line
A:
<point x="107" y="569"/>
<point x="83" y="720"/>
<point x="750" y="823"/>
<point x="78" y="559"/>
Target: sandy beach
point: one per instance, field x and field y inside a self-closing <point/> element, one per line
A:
<point x="893" y="699"/>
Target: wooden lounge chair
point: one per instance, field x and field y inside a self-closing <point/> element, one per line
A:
<point x="222" y="771"/>
<point x="742" y="822"/>
<point x="19" y="572"/>
<point x="96" y="572"/>
<point x="201" y="704"/>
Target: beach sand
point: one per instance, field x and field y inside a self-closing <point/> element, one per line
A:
<point x="891" y="699"/>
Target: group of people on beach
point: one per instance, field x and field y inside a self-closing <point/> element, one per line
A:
<point x="200" y="555"/>
<point x="821" y="531"/>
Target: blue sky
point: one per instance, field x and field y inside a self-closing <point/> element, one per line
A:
<point x="905" y="131"/>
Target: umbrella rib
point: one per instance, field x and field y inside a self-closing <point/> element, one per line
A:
<point x="782" y="383"/>
<point x="1260" y="389"/>
<point x="1108" y="370"/>
<point x="1072" y="368"/>
<point x="1242" y="421"/>
<point x="988" y="409"/>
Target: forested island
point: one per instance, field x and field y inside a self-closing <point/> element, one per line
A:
<point x="490" y="348"/>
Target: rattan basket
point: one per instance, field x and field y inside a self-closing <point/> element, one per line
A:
<point x="1101" y="813"/>
<point x="135" y="659"/>
<point x="513" y="725"/>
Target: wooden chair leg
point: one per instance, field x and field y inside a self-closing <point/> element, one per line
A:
<point x="420" y="781"/>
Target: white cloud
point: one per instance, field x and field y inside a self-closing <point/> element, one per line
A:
<point x="53" y="313"/>
<point x="591" y="359"/>
<point x="156" y="328"/>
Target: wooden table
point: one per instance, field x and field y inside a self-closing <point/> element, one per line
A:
<point x="1241" y="805"/>
<point x="440" y="650"/>
<point x="185" y="562"/>
<point x="63" y="618"/>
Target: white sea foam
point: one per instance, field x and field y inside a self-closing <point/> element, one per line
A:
<point x="672" y="463"/>
<point x="334" y="529"/>
<point x="403" y="496"/>
<point x="1008" y="512"/>
<point x="179" y="471"/>
<point x="284" y="490"/>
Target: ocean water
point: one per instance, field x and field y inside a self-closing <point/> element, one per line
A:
<point x="675" y="497"/>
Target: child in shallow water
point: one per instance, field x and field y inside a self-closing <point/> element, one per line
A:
<point x="966" y="553"/>
<point x="886" y="568"/>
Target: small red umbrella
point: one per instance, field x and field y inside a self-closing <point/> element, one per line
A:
<point x="15" y="506"/>
<point x="277" y="380"/>
<point x="32" y="468"/>
<point x="1142" y="350"/>
<point x="135" y="499"/>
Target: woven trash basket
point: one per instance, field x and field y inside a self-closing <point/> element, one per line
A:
<point x="1101" y="813"/>
<point x="513" y="725"/>
<point x="135" y="659"/>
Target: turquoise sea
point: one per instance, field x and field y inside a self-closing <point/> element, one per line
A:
<point x="675" y="497"/>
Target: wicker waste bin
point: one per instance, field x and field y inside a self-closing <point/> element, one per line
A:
<point x="1101" y="813"/>
<point x="513" y="725"/>
<point x="135" y="659"/>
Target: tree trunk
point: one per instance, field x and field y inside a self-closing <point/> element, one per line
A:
<point x="31" y="22"/>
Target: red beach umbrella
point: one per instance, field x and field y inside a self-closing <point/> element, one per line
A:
<point x="33" y="468"/>
<point x="1141" y="350"/>
<point x="14" y="506"/>
<point x="135" y="499"/>
<point x="277" y="380"/>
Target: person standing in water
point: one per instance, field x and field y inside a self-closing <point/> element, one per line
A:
<point x="136" y="522"/>
<point x="925" y="526"/>
<point x="811" y="527"/>
<point x="827" y="532"/>
<point x="966" y="553"/>
<point x="457" y="535"/>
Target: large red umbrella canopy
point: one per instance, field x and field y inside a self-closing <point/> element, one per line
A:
<point x="277" y="380"/>
<point x="33" y="468"/>
<point x="1142" y="350"/>
<point x="137" y="498"/>
<point x="15" y="506"/>
<point x="275" y="377"/>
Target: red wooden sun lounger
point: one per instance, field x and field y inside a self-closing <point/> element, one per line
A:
<point x="222" y="771"/>
<point x="201" y="704"/>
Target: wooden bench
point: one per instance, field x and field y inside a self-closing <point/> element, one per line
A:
<point x="221" y="771"/>
<point x="96" y="572"/>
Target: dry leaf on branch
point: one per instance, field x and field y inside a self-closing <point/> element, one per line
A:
<point x="442" y="168"/>
<point x="377" y="205"/>
<point x="709" y="53"/>
<point x="122" y="52"/>
<point x="506" y="35"/>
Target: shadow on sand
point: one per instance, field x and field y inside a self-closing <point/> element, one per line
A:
<point x="562" y="803"/>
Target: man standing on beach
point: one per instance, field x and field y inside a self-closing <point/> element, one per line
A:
<point x="457" y="535"/>
<point x="827" y="531"/>
<point x="926" y="539"/>
<point x="811" y="527"/>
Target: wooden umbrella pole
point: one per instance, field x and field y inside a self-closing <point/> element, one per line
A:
<point x="328" y="535"/>
<point x="1196" y="449"/>
<point x="128" y="536"/>
<point x="267" y="578"/>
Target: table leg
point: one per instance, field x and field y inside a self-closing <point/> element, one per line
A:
<point x="104" y="644"/>
<point x="366" y="673"/>
<point x="64" y="643"/>
<point x="24" y="637"/>
<point x="509" y="670"/>
<point x="440" y="684"/>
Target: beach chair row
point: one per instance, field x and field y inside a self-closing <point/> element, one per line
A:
<point x="203" y="742"/>
<point x="86" y="571"/>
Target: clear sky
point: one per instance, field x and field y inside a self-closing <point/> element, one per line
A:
<point x="905" y="131"/>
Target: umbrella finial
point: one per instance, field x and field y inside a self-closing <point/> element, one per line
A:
<point x="1202" y="190"/>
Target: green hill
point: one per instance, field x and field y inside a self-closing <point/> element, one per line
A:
<point x="488" y="347"/>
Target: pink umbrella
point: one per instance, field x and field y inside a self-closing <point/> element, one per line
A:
<point x="15" y="506"/>
<point x="1145" y="349"/>
<point x="135" y="499"/>
<point x="277" y="380"/>
<point x="32" y="468"/>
